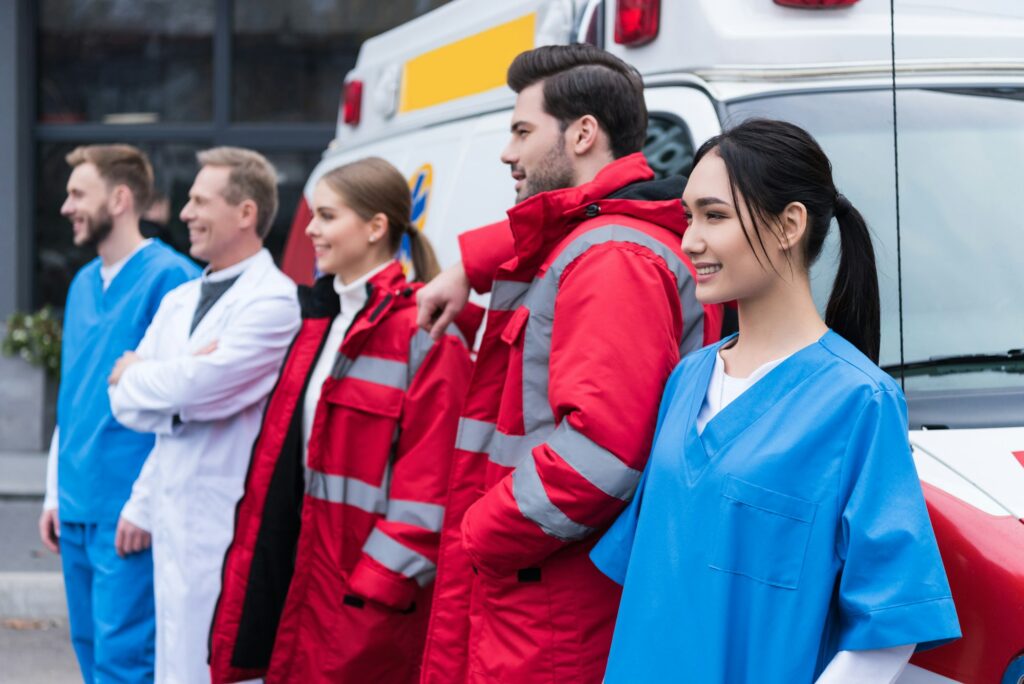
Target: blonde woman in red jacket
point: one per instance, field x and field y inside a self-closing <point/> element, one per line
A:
<point x="330" y="573"/>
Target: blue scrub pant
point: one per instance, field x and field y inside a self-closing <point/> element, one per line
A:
<point x="110" y="605"/>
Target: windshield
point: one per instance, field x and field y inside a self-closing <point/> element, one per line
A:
<point x="961" y="179"/>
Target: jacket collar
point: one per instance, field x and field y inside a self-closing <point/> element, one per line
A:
<point x="540" y="222"/>
<point x="321" y="300"/>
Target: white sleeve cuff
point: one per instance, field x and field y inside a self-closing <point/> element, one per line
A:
<point x="51" y="497"/>
<point x="137" y="514"/>
<point x="878" y="666"/>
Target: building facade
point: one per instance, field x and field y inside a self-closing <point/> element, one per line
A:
<point x="172" y="77"/>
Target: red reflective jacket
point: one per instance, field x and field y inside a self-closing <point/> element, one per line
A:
<point x="591" y="307"/>
<point x="329" y="575"/>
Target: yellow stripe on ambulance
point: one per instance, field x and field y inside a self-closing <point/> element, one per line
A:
<point x="472" y="65"/>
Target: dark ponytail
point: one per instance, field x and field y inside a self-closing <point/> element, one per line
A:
<point x="773" y="163"/>
<point x="853" y="307"/>
<point x="424" y="261"/>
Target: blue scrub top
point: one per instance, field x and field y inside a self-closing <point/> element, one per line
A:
<point x="793" y="527"/>
<point x="99" y="459"/>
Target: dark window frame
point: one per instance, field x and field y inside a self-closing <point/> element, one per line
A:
<point x="220" y="130"/>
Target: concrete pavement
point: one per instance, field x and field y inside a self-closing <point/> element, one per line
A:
<point x="34" y="643"/>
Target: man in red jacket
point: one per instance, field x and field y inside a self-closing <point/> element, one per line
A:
<point x="592" y="305"/>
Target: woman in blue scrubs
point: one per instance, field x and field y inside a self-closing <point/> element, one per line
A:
<point x="779" y="533"/>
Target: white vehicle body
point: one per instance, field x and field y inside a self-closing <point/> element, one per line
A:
<point x="434" y="103"/>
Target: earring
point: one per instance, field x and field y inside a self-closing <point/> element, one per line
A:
<point x="373" y="238"/>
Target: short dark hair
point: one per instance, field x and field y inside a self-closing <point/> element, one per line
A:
<point x="581" y="79"/>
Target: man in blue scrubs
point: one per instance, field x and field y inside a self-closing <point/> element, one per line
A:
<point x="93" y="459"/>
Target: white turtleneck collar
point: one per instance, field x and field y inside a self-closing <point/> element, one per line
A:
<point x="353" y="295"/>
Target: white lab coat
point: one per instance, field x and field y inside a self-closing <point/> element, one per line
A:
<point x="187" y="490"/>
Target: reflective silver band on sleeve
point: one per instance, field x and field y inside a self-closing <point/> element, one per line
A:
<point x="474" y="435"/>
<point x="346" y="490"/>
<point x="534" y="504"/>
<point x="423" y="515"/>
<point x="594" y="463"/>
<point x="399" y="558"/>
<point x="505" y="450"/>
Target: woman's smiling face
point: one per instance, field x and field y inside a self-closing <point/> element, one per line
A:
<point x="344" y="243"/>
<point x="728" y="268"/>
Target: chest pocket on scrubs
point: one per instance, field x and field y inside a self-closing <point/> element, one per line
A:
<point x="762" y="534"/>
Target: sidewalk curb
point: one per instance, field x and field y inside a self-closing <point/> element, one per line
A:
<point x="37" y="595"/>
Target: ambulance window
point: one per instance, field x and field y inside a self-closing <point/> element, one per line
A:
<point x="952" y="272"/>
<point x="669" y="147"/>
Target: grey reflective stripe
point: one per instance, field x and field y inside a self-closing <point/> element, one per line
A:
<point x="600" y="467"/>
<point x="534" y="504"/>
<point x="511" y="450"/>
<point x="419" y="346"/>
<point x="693" y="315"/>
<point x="541" y="302"/>
<point x="341" y="366"/>
<point x="505" y="450"/>
<point x="399" y="558"/>
<point x="597" y="465"/>
<point x="380" y="371"/>
<point x="424" y="515"/>
<point x="346" y="490"/>
<point x="473" y="435"/>
<point x="507" y="294"/>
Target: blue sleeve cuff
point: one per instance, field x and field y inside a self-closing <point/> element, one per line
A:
<point x="928" y="624"/>
<point x="611" y="553"/>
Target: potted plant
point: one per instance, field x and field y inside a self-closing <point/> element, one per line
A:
<point x="29" y="375"/>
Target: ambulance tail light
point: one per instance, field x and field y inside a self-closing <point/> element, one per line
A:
<point x="816" y="4"/>
<point x="352" y="105"/>
<point x="636" y="21"/>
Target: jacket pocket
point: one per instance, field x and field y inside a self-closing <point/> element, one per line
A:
<point x="762" y="534"/>
<point x="377" y="400"/>
<point x="354" y="429"/>
<point x="513" y="330"/>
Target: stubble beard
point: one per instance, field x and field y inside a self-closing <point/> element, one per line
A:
<point x="554" y="172"/>
<point x="97" y="228"/>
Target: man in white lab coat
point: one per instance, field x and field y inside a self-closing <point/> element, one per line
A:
<point x="199" y="380"/>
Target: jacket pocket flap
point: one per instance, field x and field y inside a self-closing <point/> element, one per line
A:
<point x="516" y="325"/>
<point x="376" y="399"/>
<point x="768" y="500"/>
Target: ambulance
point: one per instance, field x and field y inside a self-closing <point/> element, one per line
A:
<point x="920" y="106"/>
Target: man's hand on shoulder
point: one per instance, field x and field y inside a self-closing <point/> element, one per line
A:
<point x="441" y="300"/>
<point x="130" y="538"/>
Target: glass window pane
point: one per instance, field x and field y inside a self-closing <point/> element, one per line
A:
<point x="668" y="147"/>
<point x="125" y="61"/>
<point x="290" y="58"/>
